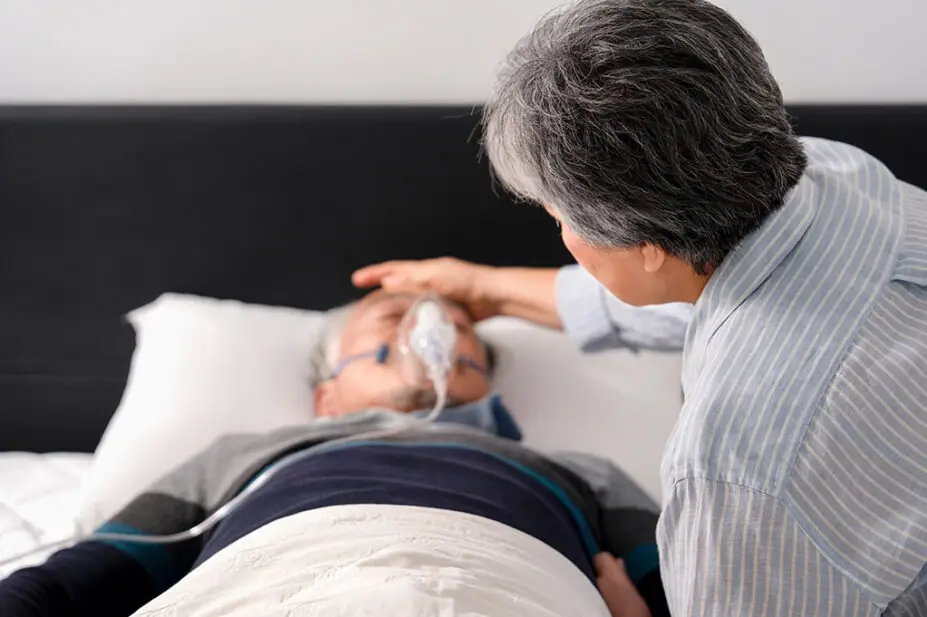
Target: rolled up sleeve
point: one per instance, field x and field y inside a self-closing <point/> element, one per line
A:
<point x="596" y="320"/>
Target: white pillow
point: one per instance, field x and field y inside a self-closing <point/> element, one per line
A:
<point x="205" y="367"/>
<point x="618" y="404"/>
<point x="201" y="368"/>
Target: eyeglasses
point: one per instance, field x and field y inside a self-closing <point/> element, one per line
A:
<point x="381" y="355"/>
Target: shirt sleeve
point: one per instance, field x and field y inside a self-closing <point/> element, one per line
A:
<point x="115" y="577"/>
<point x="596" y="320"/>
<point x="727" y="550"/>
<point x="90" y="578"/>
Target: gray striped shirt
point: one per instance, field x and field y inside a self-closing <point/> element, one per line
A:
<point x="795" y="480"/>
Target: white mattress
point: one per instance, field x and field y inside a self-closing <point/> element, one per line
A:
<point x="39" y="498"/>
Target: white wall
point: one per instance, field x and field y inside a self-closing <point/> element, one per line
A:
<point x="399" y="50"/>
<point x="842" y="50"/>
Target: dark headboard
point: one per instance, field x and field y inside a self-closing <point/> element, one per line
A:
<point x="105" y="208"/>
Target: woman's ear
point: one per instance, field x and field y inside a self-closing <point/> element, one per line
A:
<point x="653" y="257"/>
<point x="325" y="399"/>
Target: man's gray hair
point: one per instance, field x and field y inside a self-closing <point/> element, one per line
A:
<point x="644" y="121"/>
<point x="324" y="355"/>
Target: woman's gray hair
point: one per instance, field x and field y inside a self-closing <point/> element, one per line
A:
<point x="644" y="121"/>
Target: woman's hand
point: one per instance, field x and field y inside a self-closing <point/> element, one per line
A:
<point x="486" y="291"/>
<point x="460" y="281"/>
<point x="616" y="588"/>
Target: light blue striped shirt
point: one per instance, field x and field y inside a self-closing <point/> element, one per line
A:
<point x="795" y="480"/>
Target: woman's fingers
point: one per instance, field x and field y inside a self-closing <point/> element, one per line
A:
<point x="608" y="566"/>
<point x="616" y="588"/>
<point x="445" y="276"/>
<point x="373" y="275"/>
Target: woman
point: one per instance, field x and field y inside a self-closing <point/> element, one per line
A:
<point x="653" y="131"/>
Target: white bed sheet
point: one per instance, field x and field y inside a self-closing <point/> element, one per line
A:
<point x="39" y="500"/>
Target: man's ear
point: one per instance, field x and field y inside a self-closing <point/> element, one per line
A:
<point x="324" y="400"/>
<point x="653" y="257"/>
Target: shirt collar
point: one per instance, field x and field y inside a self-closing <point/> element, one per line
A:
<point x="488" y="414"/>
<point x="748" y="266"/>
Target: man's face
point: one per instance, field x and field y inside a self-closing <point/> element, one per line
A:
<point x="365" y="383"/>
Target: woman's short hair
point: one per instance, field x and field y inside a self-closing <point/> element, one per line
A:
<point x="644" y="121"/>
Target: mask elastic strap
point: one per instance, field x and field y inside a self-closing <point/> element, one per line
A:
<point x="471" y="363"/>
<point x="380" y="353"/>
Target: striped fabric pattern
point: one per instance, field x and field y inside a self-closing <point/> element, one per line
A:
<point x="596" y="320"/>
<point x="795" y="480"/>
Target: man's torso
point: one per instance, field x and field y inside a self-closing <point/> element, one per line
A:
<point x="437" y="476"/>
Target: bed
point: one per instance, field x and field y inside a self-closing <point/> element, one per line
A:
<point x="105" y="208"/>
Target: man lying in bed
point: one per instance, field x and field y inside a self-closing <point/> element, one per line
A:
<point x="450" y="518"/>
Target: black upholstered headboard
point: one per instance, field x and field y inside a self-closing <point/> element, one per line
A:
<point x="102" y="209"/>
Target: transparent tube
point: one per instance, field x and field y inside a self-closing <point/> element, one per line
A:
<point x="216" y="517"/>
<point x="431" y="342"/>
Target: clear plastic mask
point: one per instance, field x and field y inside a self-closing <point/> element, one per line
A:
<point x="425" y="349"/>
<point x="426" y="342"/>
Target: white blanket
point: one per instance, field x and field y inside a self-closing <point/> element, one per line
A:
<point x="39" y="498"/>
<point x="365" y="560"/>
